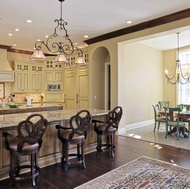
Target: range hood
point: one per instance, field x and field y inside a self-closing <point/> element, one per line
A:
<point x="6" y="72"/>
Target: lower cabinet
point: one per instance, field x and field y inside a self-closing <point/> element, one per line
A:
<point x="50" y="145"/>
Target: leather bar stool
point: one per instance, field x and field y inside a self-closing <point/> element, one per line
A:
<point x="75" y="134"/>
<point x="26" y="143"/>
<point x="108" y="129"/>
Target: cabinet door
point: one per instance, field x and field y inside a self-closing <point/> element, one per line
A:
<point x="76" y="88"/>
<point x="36" y="82"/>
<point x="70" y="89"/>
<point x="58" y="76"/>
<point x="83" y="88"/>
<point x="53" y="77"/>
<point x="21" y="81"/>
<point x="49" y="77"/>
<point x="21" y="77"/>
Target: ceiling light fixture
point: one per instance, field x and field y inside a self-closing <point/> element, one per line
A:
<point x="129" y="22"/>
<point x="61" y="48"/>
<point x="178" y="76"/>
<point x="29" y="21"/>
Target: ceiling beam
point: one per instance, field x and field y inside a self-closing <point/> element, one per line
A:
<point x="142" y="26"/>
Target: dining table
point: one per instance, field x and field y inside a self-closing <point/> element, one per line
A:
<point x="183" y="116"/>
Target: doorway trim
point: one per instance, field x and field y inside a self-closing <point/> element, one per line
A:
<point x="107" y="85"/>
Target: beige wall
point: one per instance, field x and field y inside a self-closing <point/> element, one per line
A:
<point x="143" y="81"/>
<point x="169" y="89"/>
<point x="115" y="48"/>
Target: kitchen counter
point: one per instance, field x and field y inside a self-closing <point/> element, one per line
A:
<point x="36" y="107"/>
<point x="51" y="115"/>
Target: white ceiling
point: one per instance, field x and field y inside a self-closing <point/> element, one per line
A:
<point x="84" y="17"/>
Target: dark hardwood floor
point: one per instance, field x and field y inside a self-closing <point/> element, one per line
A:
<point x="127" y="149"/>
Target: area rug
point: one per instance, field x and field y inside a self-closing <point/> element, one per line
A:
<point x="144" y="172"/>
<point x="158" y="137"/>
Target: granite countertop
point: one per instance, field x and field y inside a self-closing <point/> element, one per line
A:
<point x="12" y="120"/>
<point x="45" y="106"/>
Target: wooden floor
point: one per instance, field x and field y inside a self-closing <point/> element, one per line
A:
<point x="53" y="177"/>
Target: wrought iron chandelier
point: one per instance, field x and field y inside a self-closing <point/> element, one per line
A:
<point x="61" y="48"/>
<point x="178" y="76"/>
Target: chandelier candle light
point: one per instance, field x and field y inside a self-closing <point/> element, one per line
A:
<point x="58" y="47"/>
<point x="178" y="76"/>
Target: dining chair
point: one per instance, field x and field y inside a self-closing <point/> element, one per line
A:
<point x="173" y="121"/>
<point x="74" y="134"/>
<point x="27" y="143"/>
<point x="163" y="104"/>
<point x="157" y="117"/>
<point x="108" y="128"/>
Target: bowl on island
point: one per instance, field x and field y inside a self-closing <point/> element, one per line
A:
<point x="13" y="105"/>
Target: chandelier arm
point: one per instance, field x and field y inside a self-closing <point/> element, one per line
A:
<point x="80" y="52"/>
<point x="182" y="75"/>
<point x="38" y="45"/>
<point x="171" y="78"/>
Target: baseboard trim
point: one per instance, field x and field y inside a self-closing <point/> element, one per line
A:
<point x="134" y="126"/>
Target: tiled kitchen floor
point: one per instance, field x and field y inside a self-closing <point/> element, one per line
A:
<point x="146" y="133"/>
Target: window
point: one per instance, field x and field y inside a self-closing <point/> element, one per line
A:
<point x="183" y="90"/>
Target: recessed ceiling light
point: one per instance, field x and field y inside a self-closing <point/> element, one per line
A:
<point x="85" y="36"/>
<point x="10" y="34"/>
<point x="14" y="45"/>
<point x="47" y="36"/>
<point x="16" y="29"/>
<point x="75" y="43"/>
<point x="29" y="21"/>
<point x="129" y="22"/>
<point x="38" y="40"/>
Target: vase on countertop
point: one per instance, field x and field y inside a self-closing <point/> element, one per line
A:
<point x="29" y="100"/>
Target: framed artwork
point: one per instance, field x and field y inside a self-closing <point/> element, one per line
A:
<point x="2" y="90"/>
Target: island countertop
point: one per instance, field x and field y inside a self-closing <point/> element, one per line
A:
<point x="35" y="107"/>
<point x="12" y="120"/>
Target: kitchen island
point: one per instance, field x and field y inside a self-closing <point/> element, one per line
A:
<point x="50" y="151"/>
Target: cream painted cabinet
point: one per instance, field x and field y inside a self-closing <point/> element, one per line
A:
<point x="37" y="79"/>
<point x="21" y="77"/>
<point x="21" y="82"/>
<point x="54" y="77"/>
<point x="76" y="88"/>
<point x="28" y="77"/>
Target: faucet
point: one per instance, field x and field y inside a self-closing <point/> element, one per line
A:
<point x="10" y="98"/>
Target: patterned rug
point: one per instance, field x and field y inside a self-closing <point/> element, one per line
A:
<point x="144" y="172"/>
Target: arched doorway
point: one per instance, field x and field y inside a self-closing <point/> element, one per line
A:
<point x="101" y="76"/>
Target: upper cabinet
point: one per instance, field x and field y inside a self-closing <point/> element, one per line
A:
<point x="37" y="78"/>
<point x="21" y="77"/>
<point x="53" y="77"/>
<point x="28" y="77"/>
